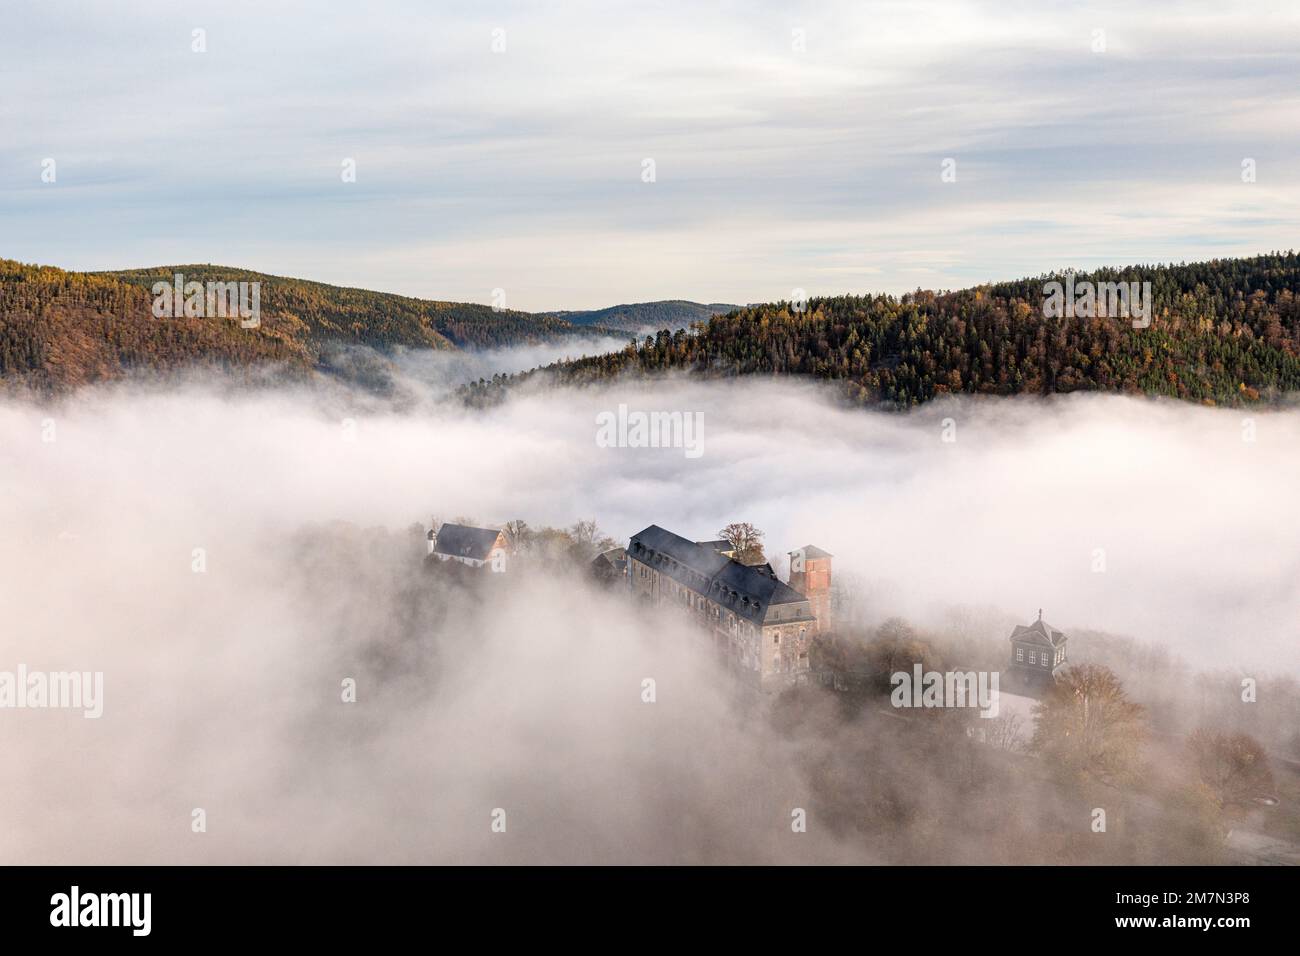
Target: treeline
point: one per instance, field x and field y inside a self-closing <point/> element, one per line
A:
<point x="61" y="329"/>
<point x="667" y="314"/>
<point x="1221" y="332"/>
<point x="380" y="320"/>
<point x="1172" y="766"/>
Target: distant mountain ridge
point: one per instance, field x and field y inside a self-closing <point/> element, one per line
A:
<point x="670" y="314"/>
<point x="61" y="329"/>
<point x="382" y="320"/>
<point x="1221" y="332"/>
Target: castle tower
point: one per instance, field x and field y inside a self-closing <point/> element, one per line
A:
<point x="810" y="574"/>
<point x="1038" y="651"/>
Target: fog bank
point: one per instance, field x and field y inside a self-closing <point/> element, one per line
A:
<point x="223" y="687"/>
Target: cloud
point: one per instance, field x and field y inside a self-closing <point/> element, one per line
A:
<point x="521" y="170"/>
<point x="222" y="688"/>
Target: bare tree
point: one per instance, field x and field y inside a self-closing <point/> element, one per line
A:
<point x="745" y="540"/>
<point x="584" y="533"/>
<point x="588" y="540"/>
<point x="518" y="533"/>
<point x="1004" y="733"/>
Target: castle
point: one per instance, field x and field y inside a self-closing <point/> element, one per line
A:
<point x="476" y="547"/>
<point x="1037" y="657"/>
<point x="762" y="626"/>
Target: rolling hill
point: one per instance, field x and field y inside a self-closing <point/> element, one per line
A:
<point x="1221" y="332"/>
<point x="61" y="329"/>
<point x="671" y="314"/>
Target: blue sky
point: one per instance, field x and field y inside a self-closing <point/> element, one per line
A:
<point x="775" y="167"/>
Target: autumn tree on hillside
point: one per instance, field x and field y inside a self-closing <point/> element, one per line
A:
<point x="745" y="540"/>
<point x="1234" y="766"/>
<point x="1087" y="725"/>
<point x="589" y="540"/>
<point x="1222" y="332"/>
<point x="897" y="647"/>
<point x="865" y="665"/>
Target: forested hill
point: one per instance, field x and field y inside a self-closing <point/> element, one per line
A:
<point x="61" y="329"/>
<point x="1221" y="332"/>
<point x="330" y="313"/>
<point x="668" y="314"/>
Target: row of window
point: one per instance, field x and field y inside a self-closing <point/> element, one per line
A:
<point x="1036" y="657"/>
<point x="721" y="594"/>
<point x="693" y="601"/>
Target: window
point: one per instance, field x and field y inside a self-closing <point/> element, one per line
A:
<point x="776" y="638"/>
<point x="1033" y="657"/>
<point x="1045" y="661"/>
<point x="1020" y="653"/>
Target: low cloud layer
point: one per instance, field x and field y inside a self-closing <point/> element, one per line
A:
<point x="222" y="687"/>
<point x="435" y="371"/>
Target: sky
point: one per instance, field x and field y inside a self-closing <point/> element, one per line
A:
<point x="794" y="145"/>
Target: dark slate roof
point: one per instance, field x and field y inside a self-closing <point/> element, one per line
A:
<point x="812" y="551"/>
<point x="750" y="592"/>
<point x="1040" y="632"/>
<point x="701" y="560"/>
<point x="720" y="545"/>
<point x="614" y="558"/>
<point x="460" y="541"/>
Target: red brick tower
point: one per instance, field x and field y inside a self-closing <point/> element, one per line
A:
<point x="810" y="574"/>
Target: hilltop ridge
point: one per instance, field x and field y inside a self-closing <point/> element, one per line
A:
<point x="1221" y="332"/>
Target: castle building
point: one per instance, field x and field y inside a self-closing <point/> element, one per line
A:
<point x="609" y="567"/>
<point x="1037" y="659"/>
<point x="810" y="574"/>
<point x="760" y="625"/>
<point x="476" y="547"/>
<point x="1037" y="651"/>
